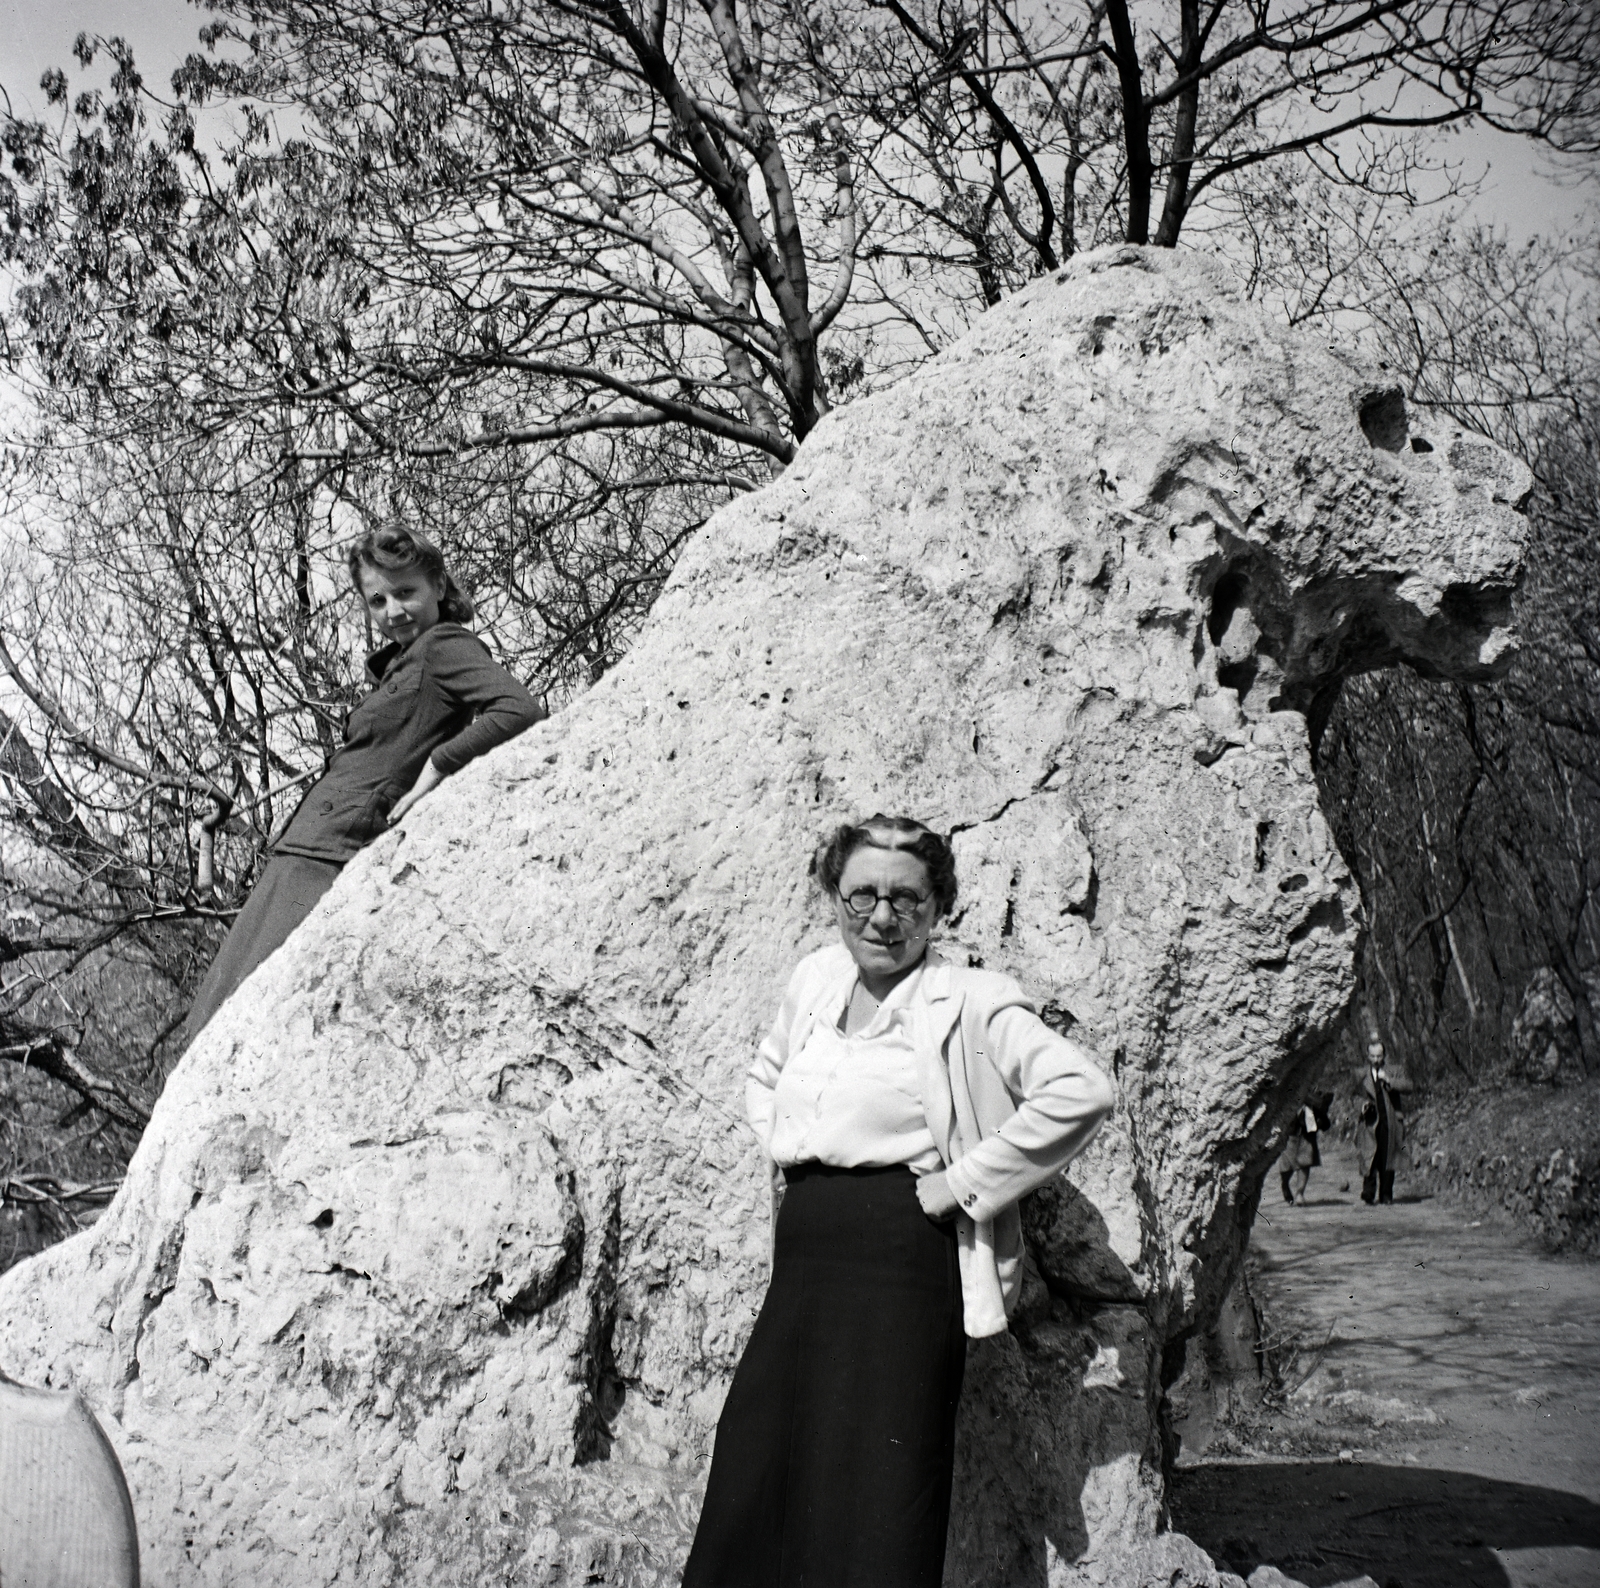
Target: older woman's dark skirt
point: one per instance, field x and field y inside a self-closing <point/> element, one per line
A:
<point x="835" y="1447"/>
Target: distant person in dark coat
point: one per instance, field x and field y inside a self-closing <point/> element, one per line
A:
<point x="1382" y="1132"/>
<point x="438" y="700"/>
<point x="1303" y="1153"/>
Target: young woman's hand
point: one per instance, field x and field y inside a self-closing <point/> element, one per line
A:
<point x="427" y="780"/>
<point x="938" y="1201"/>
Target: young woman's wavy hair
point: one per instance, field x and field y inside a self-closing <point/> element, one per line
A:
<point x="396" y="550"/>
<point x="889" y="832"/>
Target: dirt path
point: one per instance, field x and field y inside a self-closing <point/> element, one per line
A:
<point x="1442" y="1426"/>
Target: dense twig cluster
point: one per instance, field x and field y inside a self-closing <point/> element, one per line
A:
<point x="1471" y="813"/>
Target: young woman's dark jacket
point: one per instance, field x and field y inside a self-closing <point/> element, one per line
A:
<point x="443" y="696"/>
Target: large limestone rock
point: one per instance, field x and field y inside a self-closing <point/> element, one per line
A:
<point x="441" y="1247"/>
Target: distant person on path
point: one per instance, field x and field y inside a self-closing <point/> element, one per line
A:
<point x="1382" y="1133"/>
<point x="1303" y="1152"/>
<point x="438" y="700"/>
<point x="909" y="1103"/>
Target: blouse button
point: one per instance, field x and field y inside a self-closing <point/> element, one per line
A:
<point x="393" y="687"/>
<point x="327" y="805"/>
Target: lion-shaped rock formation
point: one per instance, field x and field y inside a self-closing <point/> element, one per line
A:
<point x="439" y="1252"/>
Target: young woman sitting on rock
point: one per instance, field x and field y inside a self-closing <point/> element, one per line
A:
<point x="909" y="1103"/>
<point x="438" y="700"/>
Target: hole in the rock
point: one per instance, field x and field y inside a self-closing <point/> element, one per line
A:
<point x="1091" y="900"/>
<point x="1475" y="606"/>
<point x="1225" y="599"/>
<point x="1263" y="833"/>
<point x="324" y="1220"/>
<point x="1238" y="675"/>
<point x="1419" y="445"/>
<point x="1058" y="1017"/>
<point x="1383" y="419"/>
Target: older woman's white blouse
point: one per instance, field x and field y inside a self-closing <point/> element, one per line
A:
<point x="855" y="1101"/>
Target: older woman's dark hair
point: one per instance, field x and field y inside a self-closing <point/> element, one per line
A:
<point x="403" y="550"/>
<point x="889" y="832"/>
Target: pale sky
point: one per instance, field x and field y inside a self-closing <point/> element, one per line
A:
<point x="36" y="34"/>
<point x="1520" y="190"/>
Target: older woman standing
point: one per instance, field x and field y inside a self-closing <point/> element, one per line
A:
<point x="910" y="1103"/>
<point x="438" y="700"/>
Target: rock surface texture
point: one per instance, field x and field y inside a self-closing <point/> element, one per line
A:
<point x="441" y="1247"/>
<point x="1545" y="1044"/>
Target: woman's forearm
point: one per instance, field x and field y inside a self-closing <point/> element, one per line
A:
<point x="468" y="674"/>
<point x="1065" y="1098"/>
<point x="496" y="723"/>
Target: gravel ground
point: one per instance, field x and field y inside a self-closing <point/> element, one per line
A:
<point x="1437" y="1418"/>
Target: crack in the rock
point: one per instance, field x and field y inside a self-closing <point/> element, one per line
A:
<point x="1040" y="786"/>
<point x="163" y="1279"/>
<point x="604" y="1390"/>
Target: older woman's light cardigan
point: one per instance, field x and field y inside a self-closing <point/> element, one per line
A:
<point x="1010" y="1103"/>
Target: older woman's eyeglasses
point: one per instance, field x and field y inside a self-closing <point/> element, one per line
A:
<point x="863" y="901"/>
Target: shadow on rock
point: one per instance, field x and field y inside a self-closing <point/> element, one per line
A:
<point x="1406" y="1527"/>
<point x="1071" y="1244"/>
<point x="1044" y="1451"/>
<point x="1055" y="1460"/>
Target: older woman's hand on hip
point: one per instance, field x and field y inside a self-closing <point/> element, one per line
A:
<point x="936" y="1197"/>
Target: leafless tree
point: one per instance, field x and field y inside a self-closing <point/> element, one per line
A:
<point x="1471" y="814"/>
<point x="554" y="278"/>
<point x="1047" y="127"/>
<point x="454" y="229"/>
